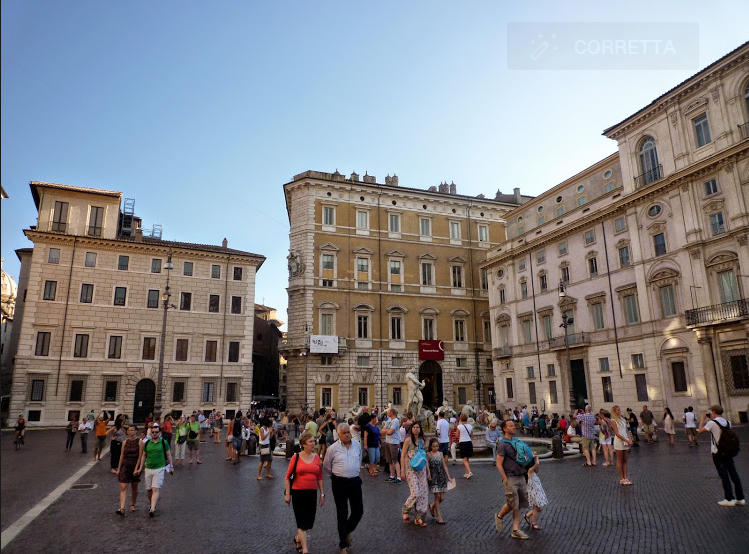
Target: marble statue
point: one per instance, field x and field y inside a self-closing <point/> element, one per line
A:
<point x="446" y="409"/>
<point x="415" y="398"/>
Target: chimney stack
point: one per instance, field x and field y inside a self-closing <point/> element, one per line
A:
<point x="517" y="196"/>
<point x="355" y="176"/>
<point x="224" y="243"/>
<point x="139" y="235"/>
<point x="453" y="188"/>
<point x="444" y="188"/>
<point x="394" y="180"/>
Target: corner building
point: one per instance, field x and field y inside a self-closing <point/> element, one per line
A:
<point x="381" y="267"/>
<point x="647" y="252"/>
<point x="92" y="313"/>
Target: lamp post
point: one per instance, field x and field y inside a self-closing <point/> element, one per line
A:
<point x="305" y="352"/>
<point x="165" y="301"/>
<point x="566" y="322"/>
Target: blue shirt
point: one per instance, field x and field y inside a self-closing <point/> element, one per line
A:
<point x="493" y="435"/>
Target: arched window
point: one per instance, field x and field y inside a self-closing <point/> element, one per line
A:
<point x="746" y="97"/>
<point x="649" y="162"/>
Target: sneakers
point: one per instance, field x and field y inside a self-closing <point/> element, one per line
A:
<point x="727" y="503"/>
<point x="390" y="479"/>
<point x="518" y="534"/>
<point x="741" y="502"/>
<point x="498" y="523"/>
<point x="398" y="481"/>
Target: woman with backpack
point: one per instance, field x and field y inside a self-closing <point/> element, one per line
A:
<point x="416" y="477"/>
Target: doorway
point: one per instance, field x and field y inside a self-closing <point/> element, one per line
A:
<point x="145" y="399"/>
<point x="431" y="373"/>
<point x="579" y="386"/>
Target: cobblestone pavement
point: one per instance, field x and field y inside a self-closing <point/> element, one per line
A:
<point x="217" y="507"/>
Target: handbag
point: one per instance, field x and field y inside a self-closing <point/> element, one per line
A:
<point x="292" y="475"/>
<point x="182" y="439"/>
<point x="264" y="450"/>
<point x="419" y="460"/>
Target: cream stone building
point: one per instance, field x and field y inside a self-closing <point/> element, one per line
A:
<point x="91" y="331"/>
<point x="649" y="247"/>
<point x="374" y="269"/>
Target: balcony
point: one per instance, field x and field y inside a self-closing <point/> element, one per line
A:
<point x="744" y="130"/>
<point x="718" y="313"/>
<point x="503" y="352"/>
<point x="651" y="176"/>
<point x="576" y="339"/>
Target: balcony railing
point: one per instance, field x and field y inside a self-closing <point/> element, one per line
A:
<point x="737" y="309"/>
<point x="744" y="130"/>
<point x="503" y="352"/>
<point x="650" y="176"/>
<point x="576" y="339"/>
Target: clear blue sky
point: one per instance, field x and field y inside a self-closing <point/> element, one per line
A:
<point x="202" y="110"/>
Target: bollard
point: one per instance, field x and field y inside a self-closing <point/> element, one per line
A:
<point x="252" y="446"/>
<point x="289" y="448"/>
<point x="556" y="448"/>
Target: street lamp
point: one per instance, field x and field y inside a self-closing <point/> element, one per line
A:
<point x="305" y="353"/>
<point x="165" y="301"/>
<point x="566" y="322"/>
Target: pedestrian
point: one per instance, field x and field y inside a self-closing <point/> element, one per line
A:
<point x="492" y="439"/>
<point x="466" y="444"/>
<point x="513" y="479"/>
<point x="563" y="423"/>
<point x="622" y="442"/>
<point x="454" y="439"/>
<point x="328" y="434"/>
<point x="219" y="427"/>
<point x="212" y="421"/>
<point x="392" y="443"/>
<point x="157" y="460"/>
<point x="129" y="456"/>
<point x="443" y="434"/>
<point x="203" y="420"/>
<point x="633" y="424"/>
<point x="303" y="480"/>
<point x="690" y="426"/>
<point x="193" y="439"/>
<point x="167" y="429"/>
<point x="536" y="496"/>
<point x="588" y="443"/>
<point x="85" y="428"/>
<point x="266" y="454"/>
<point x="438" y="477"/>
<point x="417" y="502"/>
<point x="371" y="442"/>
<point x="72" y="429"/>
<point x="180" y="442"/>
<point x="717" y="425"/>
<point x="606" y="438"/>
<point x="101" y="434"/>
<point x="648" y="425"/>
<point x="116" y="436"/>
<point x="668" y="425"/>
<point x="342" y="462"/>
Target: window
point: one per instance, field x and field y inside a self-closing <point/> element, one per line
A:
<point x="455" y="230"/>
<point x="630" y="309"/>
<point x="236" y="304"/>
<point x="728" y="287"/>
<point x="562" y="248"/>
<point x="328" y="215"/>
<point x="426" y="274"/>
<point x="396" y="327"/>
<point x="457" y="276"/>
<point x="521" y="229"/>
<point x="237" y="273"/>
<point x="215" y="271"/>
<point x="327" y="261"/>
<point x="395" y="267"/>
<point x="565" y="275"/>
<point x="702" y="130"/>
<point x="180" y="353"/>
<point x="156" y="265"/>
<point x="598" y="321"/>
<point x="110" y="390"/>
<point x="580" y="188"/>
<point x="593" y="266"/>
<point x="608" y="392"/>
<point x="590" y="236"/>
<point x="362" y="220"/>
<point x="460" y="330"/>
<point x="90" y="259"/>
<point x="546" y="321"/>
<point x="362" y="326"/>
<point x="42" y="343"/>
<point x="502" y="297"/>
<point x="398" y="396"/>
<point x="487" y="331"/>
<point x="231" y="391"/>
<point x="659" y="242"/>
<point x="716" y="224"/>
<point x="483" y="233"/>
<point x="326" y="359"/>
<point x="362" y="361"/>
<point x="649" y="161"/>
<point x="80" y="350"/>
<point x="680" y="377"/>
<point x="530" y="372"/>
<point x="211" y="347"/>
<point x="396" y="361"/>
<point x="87" y="293"/>
<point x="668" y="305"/>
<point x="624" y="260"/>
<point x="54" y="256"/>
<point x="123" y="262"/>
<point x="209" y="388"/>
<point x="541" y="220"/>
<point x="149" y="348"/>
<point x="484" y="276"/>
<point x="185" y="301"/>
<point x="711" y="187"/>
<point x="608" y="187"/>
<point x="641" y="384"/>
<point x="541" y="256"/>
<point x="50" y="290"/>
<point x="60" y="217"/>
<point x="425" y="227"/>
<point x="37" y="390"/>
<point x="178" y="391"/>
<point x="115" y="348"/>
<point x="582" y="200"/>
<point x="524" y="289"/>
<point x="550" y="370"/>
<point x="655" y="210"/>
<point x="553" y="397"/>
<point x="95" y="220"/>
<point x="521" y="264"/>
<point x="532" y="393"/>
<point x="327" y="282"/>
<point x="740" y="371"/>
<point x="362" y="265"/>
<point x="326" y="324"/>
<point x="76" y="390"/>
<point x="620" y="224"/>
<point x="395" y="223"/>
<point x="153" y="299"/>
<point x="461" y="362"/>
<point x="527" y="337"/>
<point x="233" y="351"/>
<point x="462" y="395"/>
<point x="508" y="385"/>
<point x="187" y="269"/>
<point x="603" y="364"/>
<point x="363" y="396"/>
<point x="559" y="211"/>
<point x="214" y="301"/>
<point x="638" y="362"/>
<point x="428" y="328"/>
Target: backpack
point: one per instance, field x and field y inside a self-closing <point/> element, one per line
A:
<point x="523" y="452"/>
<point x="163" y="445"/>
<point x="728" y="444"/>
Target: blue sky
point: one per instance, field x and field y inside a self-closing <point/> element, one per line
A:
<point x="201" y="111"/>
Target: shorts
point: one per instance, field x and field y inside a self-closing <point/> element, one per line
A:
<point x="230" y="439"/>
<point x="193" y="445"/>
<point x="588" y="444"/>
<point x="445" y="448"/>
<point x="648" y="428"/>
<point x="391" y="453"/>
<point x="466" y="449"/>
<point x="516" y="492"/>
<point x="101" y="442"/>
<point x="374" y="455"/>
<point x="155" y="478"/>
<point x="237" y="443"/>
<point x="605" y="441"/>
<point x="691" y="431"/>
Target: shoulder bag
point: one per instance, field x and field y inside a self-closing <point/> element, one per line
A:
<point x="419" y="460"/>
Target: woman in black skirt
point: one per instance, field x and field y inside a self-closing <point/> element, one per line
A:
<point x="303" y="480"/>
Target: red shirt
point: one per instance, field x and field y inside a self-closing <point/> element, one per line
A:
<point x="307" y="474"/>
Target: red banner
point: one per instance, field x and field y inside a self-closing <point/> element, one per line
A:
<point x="431" y="350"/>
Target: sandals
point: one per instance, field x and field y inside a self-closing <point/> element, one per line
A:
<point x="419" y="522"/>
<point x="297" y="544"/>
<point x="441" y="521"/>
<point x="536" y="527"/>
<point x="132" y="507"/>
<point x="527" y="519"/>
<point x="431" y="510"/>
<point x="406" y="519"/>
<point x="120" y="512"/>
<point x="625" y="482"/>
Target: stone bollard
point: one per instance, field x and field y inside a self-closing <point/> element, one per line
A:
<point x="252" y="446"/>
<point x="556" y="448"/>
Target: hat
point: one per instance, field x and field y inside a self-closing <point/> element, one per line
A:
<point x="453" y="420"/>
<point x="629" y="409"/>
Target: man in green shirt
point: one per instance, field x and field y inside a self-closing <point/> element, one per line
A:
<point x="155" y="456"/>
<point x="193" y="438"/>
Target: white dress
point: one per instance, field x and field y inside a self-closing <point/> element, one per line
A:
<point x="536" y="494"/>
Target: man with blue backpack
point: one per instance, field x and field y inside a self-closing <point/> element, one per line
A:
<point x="514" y="457"/>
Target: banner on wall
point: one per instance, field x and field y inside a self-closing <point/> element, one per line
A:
<point x="431" y="350"/>
<point x="323" y="344"/>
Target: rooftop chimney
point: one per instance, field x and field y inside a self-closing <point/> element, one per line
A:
<point x="517" y="196"/>
<point x="453" y="188"/>
<point x="355" y="176"/>
<point x="444" y="188"/>
<point x="371" y="179"/>
<point x="139" y="235"/>
<point x="224" y="243"/>
<point x="394" y="180"/>
<point x="387" y="179"/>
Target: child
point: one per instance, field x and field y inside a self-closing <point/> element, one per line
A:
<point x="437" y="476"/>
<point x="536" y="497"/>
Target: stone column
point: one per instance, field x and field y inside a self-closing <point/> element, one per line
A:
<point x="710" y="364"/>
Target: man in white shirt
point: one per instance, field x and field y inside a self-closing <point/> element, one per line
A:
<point x="724" y="464"/>
<point x="690" y="426"/>
<point x="85" y="428"/>
<point x="392" y="445"/>
<point x="443" y="434"/>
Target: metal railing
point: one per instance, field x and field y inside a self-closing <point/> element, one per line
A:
<point x="744" y="130"/>
<point x="718" y="313"/>
<point x="503" y="352"/>
<point x="650" y="176"/>
<point x="575" y="339"/>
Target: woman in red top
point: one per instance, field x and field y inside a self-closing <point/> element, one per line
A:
<point x="307" y="469"/>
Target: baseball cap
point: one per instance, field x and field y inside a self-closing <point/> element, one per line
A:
<point x="453" y="420"/>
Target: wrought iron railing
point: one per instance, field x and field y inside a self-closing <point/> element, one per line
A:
<point x="650" y="176"/>
<point x="717" y="313"/>
<point x="503" y="352"/>
<point x="575" y="339"/>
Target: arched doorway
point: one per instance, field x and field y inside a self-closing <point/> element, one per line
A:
<point x="431" y="373"/>
<point x="145" y="398"/>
